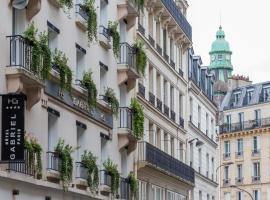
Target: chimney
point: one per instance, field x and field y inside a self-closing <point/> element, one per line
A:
<point x="236" y="81"/>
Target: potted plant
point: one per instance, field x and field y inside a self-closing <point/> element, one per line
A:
<point x="112" y="100"/>
<point x="111" y="169"/>
<point x="138" y="118"/>
<point x="112" y="29"/>
<point x="141" y="58"/>
<point x="89" y="84"/>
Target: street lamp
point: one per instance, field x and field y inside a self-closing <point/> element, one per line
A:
<point x="198" y="143"/>
<point x="234" y="186"/>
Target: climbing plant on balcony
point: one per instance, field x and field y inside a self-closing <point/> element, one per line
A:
<point x="134" y="186"/>
<point x="112" y="100"/>
<point x="139" y="4"/>
<point x="46" y="55"/>
<point x="34" y="151"/>
<point x="60" y="61"/>
<point x="141" y="58"/>
<point x="89" y="8"/>
<point x="111" y="169"/>
<point x="138" y="118"/>
<point x="112" y="28"/>
<point x="90" y="85"/>
<point x="66" y="165"/>
<point x="88" y="161"/>
<point x="66" y="5"/>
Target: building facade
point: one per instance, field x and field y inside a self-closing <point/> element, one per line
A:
<point x="244" y="141"/>
<point x="202" y="146"/>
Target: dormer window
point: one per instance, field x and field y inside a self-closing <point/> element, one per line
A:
<point x="236" y="98"/>
<point x="266" y="92"/>
<point x="219" y="56"/>
<point x="249" y="96"/>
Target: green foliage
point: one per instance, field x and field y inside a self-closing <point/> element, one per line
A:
<point x="61" y="62"/>
<point x="89" y="8"/>
<point x="66" y="5"/>
<point x="112" y="26"/>
<point x="138" y="118"/>
<point x="134" y="185"/>
<point x="112" y="100"/>
<point x="89" y="84"/>
<point x="139" y="4"/>
<point x="46" y="59"/>
<point x="141" y="58"/>
<point x="34" y="149"/>
<point x="66" y="165"/>
<point x="111" y="168"/>
<point x="89" y="162"/>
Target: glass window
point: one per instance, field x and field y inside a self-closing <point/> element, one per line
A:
<point x="239" y="171"/>
<point x="249" y="96"/>
<point x="142" y="190"/>
<point x="200" y="195"/>
<point x="227" y="147"/>
<point x="257" y="117"/>
<point x="236" y="97"/>
<point x="240" y="146"/>
<point x="229" y="122"/>
<point x="256" y="169"/>
<point x="241" y="120"/>
<point x="266" y="93"/>
<point x="256" y="143"/>
<point x="256" y="194"/>
<point x="240" y="195"/>
<point x="226" y="172"/>
<point x="220" y="56"/>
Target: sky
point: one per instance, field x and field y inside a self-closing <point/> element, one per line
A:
<point x="247" y="27"/>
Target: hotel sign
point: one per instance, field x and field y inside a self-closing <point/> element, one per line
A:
<point x="12" y="128"/>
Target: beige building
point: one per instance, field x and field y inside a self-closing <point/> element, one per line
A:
<point x="244" y="141"/>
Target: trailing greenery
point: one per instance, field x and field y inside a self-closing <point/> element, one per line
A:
<point x="60" y="61"/>
<point x="111" y="169"/>
<point x="66" y="5"/>
<point x="138" y="118"/>
<point x="88" y="161"/>
<point x="112" y="27"/>
<point x="46" y="55"/>
<point x="89" y="84"/>
<point x="66" y="165"/>
<point x="139" y="4"/>
<point x="134" y="186"/>
<point x="34" y="151"/>
<point x="141" y="58"/>
<point x="112" y="100"/>
<point x="89" y="8"/>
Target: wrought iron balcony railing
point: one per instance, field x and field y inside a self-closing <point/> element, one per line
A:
<point x="151" y="40"/>
<point x="141" y="29"/>
<point x="105" y="32"/>
<point x="127" y="55"/>
<point x="152" y="98"/>
<point x="226" y="182"/>
<point x="80" y="10"/>
<point x="159" y="105"/>
<point x="161" y="160"/>
<point x="159" y="49"/>
<point x="81" y="171"/>
<point x="256" y="152"/>
<point x="172" y="115"/>
<point x="105" y="178"/>
<point x="256" y="179"/>
<point x="239" y="180"/>
<point x="239" y="154"/>
<point x="172" y="63"/>
<point x="181" y="122"/>
<point x="141" y="90"/>
<point x="125" y="118"/>
<point x="166" y="110"/>
<point x="226" y="156"/>
<point x="181" y="73"/>
<point x="53" y="161"/>
<point x="166" y="57"/>
<point x="124" y="189"/>
<point x="246" y="125"/>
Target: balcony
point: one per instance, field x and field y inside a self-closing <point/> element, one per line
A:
<point x="21" y="75"/>
<point x="151" y="41"/>
<point x="141" y="90"/>
<point x="124" y="189"/>
<point x="256" y="152"/>
<point x="81" y="176"/>
<point x="172" y="115"/>
<point x="81" y="17"/>
<point x="127" y="71"/>
<point x="226" y="182"/>
<point x="181" y="122"/>
<point x="166" y="110"/>
<point x="53" y="166"/>
<point x="166" y="57"/>
<point x="180" y="72"/>
<point x="104" y="37"/>
<point x="128" y="10"/>
<point x="159" y="49"/>
<point x="239" y="154"/>
<point x="226" y="156"/>
<point x="27" y="167"/>
<point x="141" y="29"/>
<point x="154" y="157"/>
<point x="105" y="182"/>
<point x="159" y="105"/>
<point x="126" y="139"/>
<point x="256" y="179"/>
<point x="172" y="63"/>
<point x="152" y="98"/>
<point x="246" y="125"/>
<point x="239" y="180"/>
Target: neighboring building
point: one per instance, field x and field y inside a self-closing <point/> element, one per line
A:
<point x="162" y="171"/>
<point x="244" y="140"/>
<point x="220" y="65"/>
<point x="201" y="135"/>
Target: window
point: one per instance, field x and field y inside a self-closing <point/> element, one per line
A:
<point x="212" y="129"/>
<point x="227" y="149"/>
<point x="80" y="134"/>
<point x="228" y="122"/>
<point x="190" y="109"/>
<point x="171" y="50"/>
<point x="240" y="147"/>
<point x="80" y="63"/>
<point x="226" y="172"/>
<point x="157" y="193"/>
<point x="172" y="147"/>
<point x="220" y="56"/>
<point x="164" y="41"/>
<point x="257" y="117"/>
<point x="239" y="171"/>
<point x="181" y="151"/>
<point x="256" y="169"/>
<point x="213" y="167"/>
<point x="52" y="131"/>
<point x="249" y="96"/>
<point x="165" y="92"/>
<point x="166" y="142"/>
<point x="240" y="196"/>
<point x="207" y="164"/>
<point x="103" y="80"/>
<point x="172" y="98"/>
<point x="256" y="195"/>
<point x="191" y="155"/>
<point x="227" y="196"/>
<point x="142" y="190"/>
<point x="180" y="105"/>
<point x="158" y="33"/>
<point x="236" y="98"/>
<point x="207" y="123"/>
<point x="266" y="93"/>
<point x="103" y="13"/>
<point x="241" y="120"/>
<point x="200" y="160"/>
<point x="256" y="144"/>
<point x="199" y="117"/>
<point x="53" y="33"/>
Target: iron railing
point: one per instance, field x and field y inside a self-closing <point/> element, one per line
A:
<point x="172" y="115"/>
<point x="26" y="167"/>
<point x="152" y="98"/>
<point x="81" y="171"/>
<point x="181" y="122"/>
<point x="161" y="160"/>
<point x="178" y="17"/>
<point x="80" y="10"/>
<point x="246" y="125"/>
<point x="239" y="154"/>
<point x="226" y="156"/>
<point x="127" y="55"/>
<point x="105" y="32"/>
<point x="166" y="110"/>
<point x="256" y="179"/>
<point x="256" y="152"/>
<point x="105" y="178"/>
<point x="181" y="73"/>
<point x="53" y="161"/>
<point x="151" y="40"/>
<point x="239" y="180"/>
<point x="21" y="54"/>
<point x="172" y="63"/>
<point x="124" y="189"/>
<point x="141" y="29"/>
<point x="141" y="90"/>
<point x="125" y="118"/>
<point x="159" y="49"/>
<point x="166" y="57"/>
<point x="159" y="105"/>
<point x="226" y="182"/>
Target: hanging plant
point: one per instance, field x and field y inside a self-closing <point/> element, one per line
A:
<point x="88" y="161"/>
<point x="134" y="186"/>
<point x="66" y="165"/>
<point x="112" y="100"/>
<point x="88" y="7"/>
<point x="89" y="84"/>
<point x="66" y="5"/>
<point x="34" y="151"/>
<point x="138" y="118"/>
<point x="141" y="58"/>
<point x="112" y="27"/>
<point x="111" y="169"/>
<point x="139" y="4"/>
<point x="46" y="55"/>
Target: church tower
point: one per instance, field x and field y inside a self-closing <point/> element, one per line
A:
<point x="220" y="65"/>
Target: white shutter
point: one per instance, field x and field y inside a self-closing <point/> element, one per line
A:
<point x="268" y="194"/>
<point x="259" y="195"/>
<point x="242" y="195"/>
<point x="258" y="143"/>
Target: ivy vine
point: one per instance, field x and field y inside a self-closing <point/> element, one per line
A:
<point x="46" y="52"/>
<point x="141" y="58"/>
<point x="90" y="85"/>
<point x="111" y="169"/>
<point x="112" y="27"/>
<point x="88" y="161"/>
<point x="138" y="118"/>
<point x="66" y="165"/>
<point x="34" y="151"/>
<point x="66" y="5"/>
<point x="112" y="100"/>
<point x="134" y="186"/>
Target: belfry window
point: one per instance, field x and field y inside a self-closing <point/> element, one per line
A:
<point x="219" y="56"/>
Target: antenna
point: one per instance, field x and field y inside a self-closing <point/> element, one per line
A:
<point x="219" y="18"/>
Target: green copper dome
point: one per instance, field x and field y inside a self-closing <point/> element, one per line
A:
<point x="220" y="44"/>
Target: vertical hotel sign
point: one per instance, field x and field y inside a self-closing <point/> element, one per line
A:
<point x="12" y="127"/>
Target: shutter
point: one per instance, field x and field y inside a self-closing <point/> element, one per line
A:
<point x="259" y="195"/>
<point x="242" y="195"/>
<point x="268" y="194"/>
<point x="258" y="143"/>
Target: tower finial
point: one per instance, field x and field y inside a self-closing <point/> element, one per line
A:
<point x="220" y="20"/>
